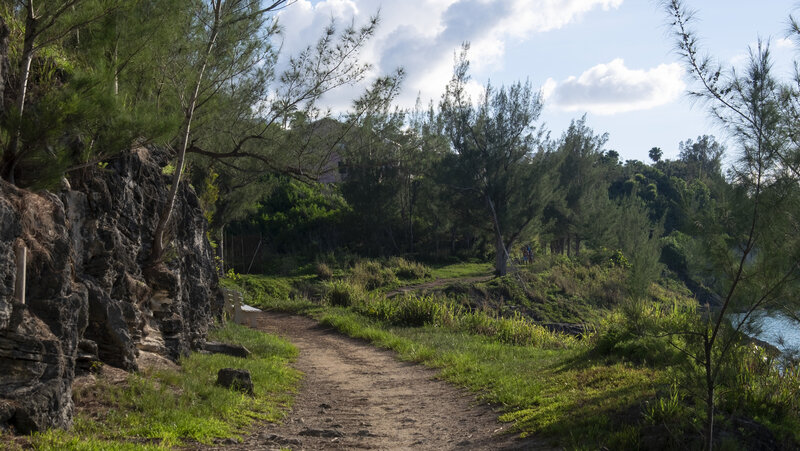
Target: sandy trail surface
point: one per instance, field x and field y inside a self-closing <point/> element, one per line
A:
<point x="355" y="396"/>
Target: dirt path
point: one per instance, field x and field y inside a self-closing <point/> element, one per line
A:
<point x="437" y="283"/>
<point x="355" y="396"/>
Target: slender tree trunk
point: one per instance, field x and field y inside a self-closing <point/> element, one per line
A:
<point x="116" y="69"/>
<point x="709" y="395"/>
<point x="436" y="237"/>
<point x="252" y="260"/>
<point x="501" y="257"/>
<point x="11" y="156"/>
<point x="222" y="250"/>
<point x="158" y="240"/>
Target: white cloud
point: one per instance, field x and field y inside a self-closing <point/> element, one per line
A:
<point x="784" y="43"/>
<point x="423" y="36"/>
<point x="780" y="45"/>
<point x="613" y="88"/>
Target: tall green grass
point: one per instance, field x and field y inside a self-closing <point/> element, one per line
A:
<point x="415" y="310"/>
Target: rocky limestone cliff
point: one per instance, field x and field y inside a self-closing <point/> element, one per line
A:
<point x="89" y="297"/>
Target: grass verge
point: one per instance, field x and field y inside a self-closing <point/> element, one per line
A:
<point x="565" y="395"/>
<point x="161" y="409"/>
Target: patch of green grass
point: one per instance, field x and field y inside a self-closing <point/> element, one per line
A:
<point x="59" y="440"/>
<point x="462" y="270"/>
<point x="165" y="408"/>
<point x="259" y="286"/>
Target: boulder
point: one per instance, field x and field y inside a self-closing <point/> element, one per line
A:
<point x="216" y="347"/>
<point x="235" y="379"/>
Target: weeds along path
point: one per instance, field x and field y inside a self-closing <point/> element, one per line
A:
<point x="355" y="396"/>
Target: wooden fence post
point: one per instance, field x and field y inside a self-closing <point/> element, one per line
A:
<point x="21" y="253"/>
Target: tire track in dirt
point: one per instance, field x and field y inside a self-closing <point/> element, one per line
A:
<point x="355" y="396"/>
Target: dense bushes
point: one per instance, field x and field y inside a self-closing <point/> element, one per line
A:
<point x="754" y="385"/>
<point x="374" y="274"/>
<point x="371" y="275"/>
<point x="343" y="294"/>
<point x="557" y="289"/>
<point x="408" y="270"/>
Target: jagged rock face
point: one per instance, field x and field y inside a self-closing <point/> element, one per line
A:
<point x="87" y="286"/>
<point x="38" y="340"/>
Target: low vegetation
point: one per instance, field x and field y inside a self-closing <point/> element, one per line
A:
<point x="623" y="384"/>
<point x="164" y="408"/>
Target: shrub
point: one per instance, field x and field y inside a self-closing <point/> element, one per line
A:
<point x="516" y="330"/>
<point x="408" y="270"/>
<point x="343" y="294"/>
<point x="371" y="275"/>
<point x="767" y="387"/>
<point x="618" y="260"/>
<point x="262" y="289"/>
<point x="410" y="310"/>
<point x="674" y="252"/>
<point x="323" y="271"/>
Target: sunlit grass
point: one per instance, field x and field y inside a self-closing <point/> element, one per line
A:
<point x="166" y="408"/>
<point x="462" y="270"/>
<point x="563" y="394"/>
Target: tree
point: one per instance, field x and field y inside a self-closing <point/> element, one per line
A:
<point x="45" y="24"/>
<point x="655" y="154"/>
<point x="229" y="61"/>
<point x="226" y="21"/>
<point x="639" y="240"/>
<point x="583" y="194"/>
<point x="752" y="240"/>
<point x="263" y="123"/>
<point x="703" y="158"/>
<point x="381" y="161"/>
<point x="495" y="160"/>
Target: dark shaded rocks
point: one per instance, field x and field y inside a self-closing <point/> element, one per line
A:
<point x="89" y="297"/>
<point x="750" y="434"/>
<point x="216" y="347"/>
<point x="87" y="359"/>
<point x="235" y="379"/>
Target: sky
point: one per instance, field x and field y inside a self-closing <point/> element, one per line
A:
<point x="612" y="60"/>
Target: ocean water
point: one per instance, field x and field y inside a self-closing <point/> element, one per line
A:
<point x="776" y="329"/>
